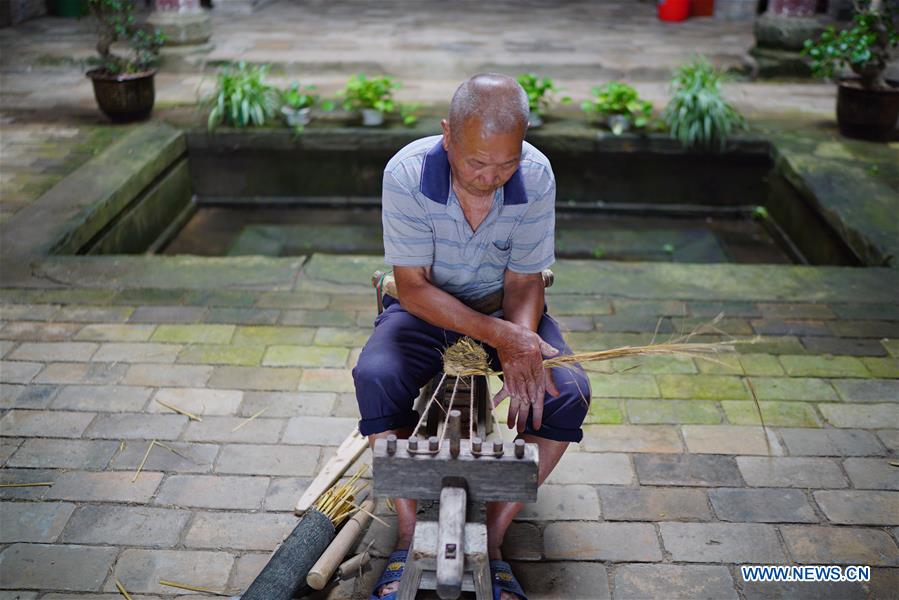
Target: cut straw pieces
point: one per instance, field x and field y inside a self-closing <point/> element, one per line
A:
<point x="147" y="454"/>
<point x="337" y="502"/>
<point x="122" y="590"/>
<point x="192" y="588"/>
<point x="250" y="418"/>
<point x="21" y="485"/>
<point x="180" y="411"/>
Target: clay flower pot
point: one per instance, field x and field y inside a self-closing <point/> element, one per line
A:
<point x="124" y="97"/>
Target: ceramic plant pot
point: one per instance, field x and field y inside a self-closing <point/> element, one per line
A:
<point x="124" y="97"/>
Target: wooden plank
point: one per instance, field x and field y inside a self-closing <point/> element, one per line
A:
<point x="350" y="449"/>
<point x="451" y="542"/>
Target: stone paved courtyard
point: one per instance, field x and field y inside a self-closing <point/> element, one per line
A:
<point x="677" y="483"/>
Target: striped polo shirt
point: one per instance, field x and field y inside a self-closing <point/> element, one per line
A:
<point x="424" y="224"/>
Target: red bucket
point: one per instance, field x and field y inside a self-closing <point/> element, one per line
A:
<point x="673" y="10"/>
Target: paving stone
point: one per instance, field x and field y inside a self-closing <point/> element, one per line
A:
<point x="267" y="460"/>
<point x="168" y="375"/>
<point x="20" y="595"/>
<point x="775" y="413"/>
<point x="864" y="328"/>
<point x="31" y="396"/>
<point x="347" y="406"/>
<point x="141" y="570"/>
<point x="43" y="453"/>
<point x="643" y="365"/>
<point x="94" y="314"/>
<point x="883" y="583"/>
<point x="189" y="458"/>
<point x="724" y="439"/>
<point x="213" y="491"/>
<point x="592" y="468"/>
<point x="222" y="429"/>
<point x="888" y="368"/>
<point x="103" y="398"/>
<point x="220" y="297"/>
<point x="891" y="346"/>
<point x="220" y="354"/>
<point x="706" y="582"/>
<point x="622" y="386"/>
<point x="137" y="353"/>
<point x="54" y="351"/>
<point x="647" y="412"/>
<point x="197" y="401"/>
<point x="865" y="416"/>
<point x="888" y="312"/>
<point x="7" y="447"/>
<point x="289" y="404"/>
<point x="760" y="365"/>
<point x="87" y="373"/>
<point x="319" y="431"/>
<point x="796" y="311"/>
<point x="39" y="332"/>
<point x="768" y="344"/>
<point x="562" y="503"/>
<point x="319" y="318"/>
<point x="154" y="296"/>
<point x="685" y="469"/>
<point x="844" y="346"/>
<point x="341" y="336"/>
<point x="167" y="314"/>
<point x="793" y="388"/>
<point x="305" y="356"/>
<point x="246" y="569"/>
<point x="702" y="387"/>
<point x="631" y="438"/>
<point x="262" y="335"/>
<point x="587" y="340"/>
<point x="33" y="521"/>
<point x="601" y="541"/>
<point x="823" y="366"/>
<point x="725" y="364"/>
<point x="106" y="332"/>
<point x="575" y="322"/>
<point x="107" y="486"/>
<point x="890" y="439"/>
<point x="790" y="471"/>
<point x="831" y="442"/>
<point x="859" y="507"/>
<point x="602" y="410"/>
<point x="18" y="372"/>
<point x="256" y="378"/>
<point x="633" y="323"/>
<point x="730" y="309"/>
<point x="563" y="581"/>
<point x="239" y="531"/>
<point x="327" y="380"/>
<point x="573" y="304"/>
<point x="748" y="543"/>
<point x="29" y="312"/>
<point x="872" y="473"/>
<point x="789" y="327"/>
<point x="821" y="545"/>
<point x="305" y="300"/>
<point x="74" y="567"/>
<point x="6" y="346"/>
<point x="284" y="492"/>
<point x="243" y="316"/>
<point x="11" y="475"/>
<point x="867" y="390"/>
<point x="137" y="426"/>
<point x="125" y="526"/>
<point x="653" y="504"/>
<point x="807" y="590"/>
<point x="194" y="334"/>
<point x="670" y="308"/>
<point x="33" y="423"/>
<point x="764" y="506"/>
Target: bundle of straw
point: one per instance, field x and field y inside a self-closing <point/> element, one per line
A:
<point x="337" y="502"/>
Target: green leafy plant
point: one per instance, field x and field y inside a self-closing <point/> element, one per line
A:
<point x="115" y="22"/>
<point x="299" y="97"/>
<point x="242" y="97"/>
<point x="369" y="92"/>
<point x="540" y="91"/>
<point x="619" y="106"/>
<point x="864" y="46"/>
<point x="409" y="112"/>
<point x="698" y="116"/>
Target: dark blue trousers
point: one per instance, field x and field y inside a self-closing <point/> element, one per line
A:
<point x="405" y="352"/>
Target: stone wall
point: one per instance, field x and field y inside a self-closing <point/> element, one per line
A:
<point x="16" y="11"/>
<point x="238" y="7"/>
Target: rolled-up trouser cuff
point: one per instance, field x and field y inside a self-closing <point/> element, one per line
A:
<point x="554" y="433"/>
<point x="388" y="422"/>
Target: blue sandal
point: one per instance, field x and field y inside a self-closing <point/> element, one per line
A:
<point x="392" y="572"/>
<point x="504" y="580"/>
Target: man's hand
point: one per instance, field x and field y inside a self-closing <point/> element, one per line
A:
<point x="525" y="380"/>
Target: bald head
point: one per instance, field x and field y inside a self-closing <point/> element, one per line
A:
<point x="498" y="103"/>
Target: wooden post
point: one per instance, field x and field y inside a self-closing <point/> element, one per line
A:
<point x="451" y="542"/>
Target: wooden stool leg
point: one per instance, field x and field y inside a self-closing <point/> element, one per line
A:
<point x="411" y="577"/>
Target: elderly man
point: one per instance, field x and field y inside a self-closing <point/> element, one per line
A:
<point x="467" y="215"/>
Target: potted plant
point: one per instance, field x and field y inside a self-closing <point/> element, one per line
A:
<point x="373" y="96"/>
<point x="697" y="115"/>
<point x="619" y="107"/>
<point x="123" y="86"/>
<point x="867" y="106"/>
<point x="242" y="97"/>
<point x="540" y="92"/>
<point x="298" y="102"/>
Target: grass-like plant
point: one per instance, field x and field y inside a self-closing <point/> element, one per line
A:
<point x="619" y="106"/>
<point x="242" y="97"/>
<point x="541" y="92"/>
<point x="698" y="116"/>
